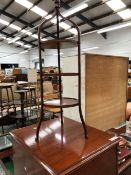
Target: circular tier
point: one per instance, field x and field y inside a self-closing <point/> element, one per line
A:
<point x="65" y="102"/>
<point x="63" y="43"/>
<point x="60" y="74"/>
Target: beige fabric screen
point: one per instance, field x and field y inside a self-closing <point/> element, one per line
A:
<point x="105" y="90"/>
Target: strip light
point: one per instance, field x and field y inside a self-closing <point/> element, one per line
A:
<point x="3" y="37"/>
<point x="27" y="46"/>
<point x="75" y="9"/>
<point x="115" y="27"/>
<point x="25" y="51"/>
<point x="13" y="40"/>
<point x="39" y="11"/>
<point x="48" y="16"/>
<point x="90" y="48"/>
<point x="116" y="4"/>
<point x="35" y="9"/>
<point x="11" y="25"/>
<point x="24" y="3"/>
<point x="44" y="14"/>
<point x="4" y="22"/>
<point x="19" y="43"/>
<point x="14" y="27"/>
<point x="26" y="32"/>
<point x="73" y="30"/>
<point x="125" y="14"/>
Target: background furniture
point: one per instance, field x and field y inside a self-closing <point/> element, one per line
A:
<point x="104" y="89"/>
<point x="6" y="106"/>
<point x="23" y="101"/>
<point x="63" y="151"/>
<point x="125" y="167"/>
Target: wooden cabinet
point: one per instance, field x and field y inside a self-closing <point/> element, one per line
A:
<point x="104" y="89"/>
<point x="64" y="150"/>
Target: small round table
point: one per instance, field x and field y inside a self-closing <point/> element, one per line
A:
<point x="22" y="98"/>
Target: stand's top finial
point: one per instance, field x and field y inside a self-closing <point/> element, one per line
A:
<point x="57" y="3"/>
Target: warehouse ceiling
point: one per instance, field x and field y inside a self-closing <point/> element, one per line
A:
<point x="19" y="19"/>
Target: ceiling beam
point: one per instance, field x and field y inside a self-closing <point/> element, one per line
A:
<point x="100" y="27"/>
<point x="15" y="18"/>
<point x="6" y="7"/>
<point x="25" y="42"/>
<point x="21" y="14"/>
<point x="66" y="6"/>
<point x="83" y="18"/>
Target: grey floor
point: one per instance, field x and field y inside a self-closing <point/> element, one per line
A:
<point x="29" y="121"/>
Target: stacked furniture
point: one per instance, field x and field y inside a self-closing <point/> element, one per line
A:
<point x="6" y="107"/>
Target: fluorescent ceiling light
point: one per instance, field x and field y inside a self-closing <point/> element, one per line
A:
<point x="43" y="39"/>
<point x="64" y="25"/>
<point x="8" y="39"/>
<point x="54" y="20"/>
<point x="13" y="40"/>
<point x="24" y="3"/>
<point x="27" y="46"/>
<point x="115" y="27"/>
<point x="90" y="48"/>
<point x="19" y="43"/>
<point x="61" y="24"/>
<point x="35" y="36"/>
<point x="4" y="22"/>
<point x="43" y="13"/>
<point x="3" y="37"/>
<point x="115" y="4"/>
<point x="75" y="9"/>
<point x="61" y="53"/>
<point x="39" y="11"/>
<point x="125" y="14"/>
<point x="14" y="27"/>
<point x="48" y="16"/>
<point x="26" y="32"/>
<point x="35" y="9"/>
<point x="11" y="25"/>
<point x="25" y="51"/>
<point x="73" y="30"/>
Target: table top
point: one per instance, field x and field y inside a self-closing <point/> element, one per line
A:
<point x="60" y="150"/>
<point x="29" y="88"/>
<point x="4" y="85"/>
<point x="21" y="91"/>
<point x="22" y="82"/>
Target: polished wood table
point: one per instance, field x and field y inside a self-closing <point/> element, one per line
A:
<point x="64" y="150"/>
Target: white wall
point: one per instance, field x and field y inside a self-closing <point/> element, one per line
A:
<point x="10" y="54"/>
<point x="118" y="42"/>
<point x="70" y="86"/>
<point x="50" y="59"/>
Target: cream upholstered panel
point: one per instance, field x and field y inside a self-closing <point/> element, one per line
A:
<point x="105" y="90"/>
<point x="70" y="85"/>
